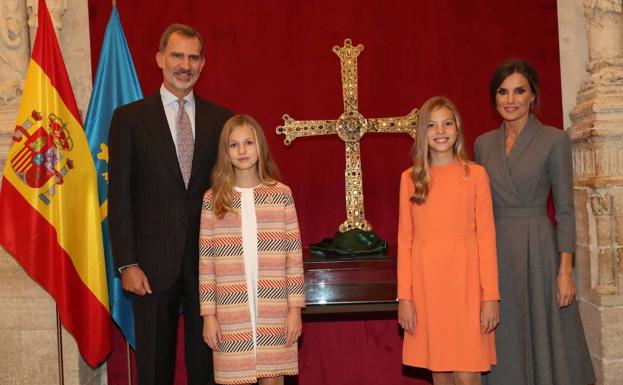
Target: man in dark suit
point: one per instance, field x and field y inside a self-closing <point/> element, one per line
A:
<point x="162" y="150"/>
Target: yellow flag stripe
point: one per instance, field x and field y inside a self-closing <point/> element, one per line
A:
<point x="77" y="223"/>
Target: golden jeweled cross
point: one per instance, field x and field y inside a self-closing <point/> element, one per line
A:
<point x="350" y="127"/>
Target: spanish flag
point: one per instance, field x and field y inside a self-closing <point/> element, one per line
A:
<point x="49" y="209"/>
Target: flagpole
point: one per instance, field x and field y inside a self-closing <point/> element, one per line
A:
<point x="59" y="343"/>
<point x="115" y="60"/>
<point x="127" y="349"/>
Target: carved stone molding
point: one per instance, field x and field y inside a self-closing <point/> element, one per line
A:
<point x="597" y="130"/>
<point x="617" y="218"/>
<point x="604" y="19"/>
<point x="57" y="9"/>
<point x="601" y="206"/>
<point x="14" y="52"/>
<point x="598" y="163"/>
<point x="7" y="126"/>
<point x="602" y="90"/>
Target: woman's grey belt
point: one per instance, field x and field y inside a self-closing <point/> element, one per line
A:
<point x="527" y="211"/>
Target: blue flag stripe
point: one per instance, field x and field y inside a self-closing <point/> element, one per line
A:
<point x="116" y="84"/>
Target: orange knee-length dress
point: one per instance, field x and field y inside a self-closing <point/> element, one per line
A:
<point x="447" y="265"/>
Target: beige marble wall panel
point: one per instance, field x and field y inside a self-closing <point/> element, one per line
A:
<point x="582" y="260"/>
<point x="615" y="373"/>
<point x="591" y="320"/>
<point x="27" y="314"/>
<point x="7" y="263"/>
<point x="71" y="359"/>
<point x="38" y="358"/>
<point x="582" y="264"/>
<point x="612" y="321"/>
<point x="581" y="216"/>
<point x="76" y="47"/>
<point x="25" y="357"/>
<point x="573" y="52"/>
<point x="14" y="51"/>
<point x="26" y="306"/>
<point x="10" y="369"/>
<point x="7" y="126"/>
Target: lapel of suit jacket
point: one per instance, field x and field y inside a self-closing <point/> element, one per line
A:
<point x="502" y="161"/>
<point x="523" y="140"/>
<point x="158" y="126"/>
<point x="204" y="133"/>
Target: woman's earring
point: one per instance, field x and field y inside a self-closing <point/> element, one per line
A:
<point x="531" y="104"/>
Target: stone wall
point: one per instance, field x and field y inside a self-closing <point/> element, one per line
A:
<point x="597" y="134"/>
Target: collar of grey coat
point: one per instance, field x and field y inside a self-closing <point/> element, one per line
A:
<point x="523" y="140"/>
<point x="505" y="163"/>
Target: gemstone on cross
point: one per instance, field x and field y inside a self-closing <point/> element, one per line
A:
<point x="350" y="127"/>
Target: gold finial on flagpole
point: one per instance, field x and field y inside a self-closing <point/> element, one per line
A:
<point x="114" y="3"/>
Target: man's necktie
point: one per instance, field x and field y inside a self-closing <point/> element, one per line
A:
<point x="185" y="141"/>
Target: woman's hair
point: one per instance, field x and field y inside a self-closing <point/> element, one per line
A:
<point x="421" y="174"/>
<point x="510" y="67"/>
<point x="223" y="174"/>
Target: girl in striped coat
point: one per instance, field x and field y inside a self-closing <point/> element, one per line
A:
<point x="250" y="264"/>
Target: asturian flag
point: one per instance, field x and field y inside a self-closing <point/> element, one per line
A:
<point x="49" y="211"/>
<point x="116" y="84"/>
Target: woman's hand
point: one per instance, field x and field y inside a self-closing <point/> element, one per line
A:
<point x="406" y="315"/>
<point x="294" y="325"/>
<point x="564" y="280"/>
<point x="566" y="289"/>
<point x="489" y="316"/>
<point x="211" y="332"/>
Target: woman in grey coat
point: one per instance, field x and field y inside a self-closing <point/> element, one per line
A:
<point x="540" y="340"/>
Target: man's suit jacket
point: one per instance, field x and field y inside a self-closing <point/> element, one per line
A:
<point x="154" y="219"/>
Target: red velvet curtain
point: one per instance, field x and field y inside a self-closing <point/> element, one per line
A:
<point x="268" y="58"/>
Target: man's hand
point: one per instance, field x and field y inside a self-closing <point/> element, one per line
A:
<point x="134" y="280"/>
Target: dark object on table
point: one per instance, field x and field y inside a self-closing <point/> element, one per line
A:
<point x="352" y="244"/>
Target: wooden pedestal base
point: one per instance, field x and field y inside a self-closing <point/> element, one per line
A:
<point x="350" y="285"/>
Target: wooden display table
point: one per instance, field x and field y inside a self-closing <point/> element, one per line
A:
<point x="346" y="285"/>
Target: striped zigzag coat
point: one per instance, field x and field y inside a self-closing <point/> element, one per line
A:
<point x="223" y="289"/>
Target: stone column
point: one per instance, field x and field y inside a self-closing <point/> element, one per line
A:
<point x="28" y="345"/>
<point x="597" y="135"/>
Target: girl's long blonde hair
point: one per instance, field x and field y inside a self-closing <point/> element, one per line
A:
<point x="421" y="174"/>
<point x="223" y="175"/>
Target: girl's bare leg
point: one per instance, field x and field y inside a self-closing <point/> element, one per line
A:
<point x="443" y="378"/>
<point x="466" y="378"/>
<point x="271" y="381"/>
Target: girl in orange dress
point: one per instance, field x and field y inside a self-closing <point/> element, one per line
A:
<point x="447" y="265"/>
